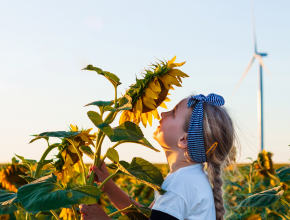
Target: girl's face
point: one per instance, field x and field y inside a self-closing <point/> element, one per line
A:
<point x="170" y="131"/>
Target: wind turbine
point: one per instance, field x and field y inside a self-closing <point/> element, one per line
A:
<point x="262" y="66"/>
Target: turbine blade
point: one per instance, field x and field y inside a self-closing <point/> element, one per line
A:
<point x="243" y="76"/>
<point x="254" y="30"/>
<point x="259" y="58"/>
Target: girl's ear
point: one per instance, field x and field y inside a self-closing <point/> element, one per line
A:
<point x="182" y="141"/>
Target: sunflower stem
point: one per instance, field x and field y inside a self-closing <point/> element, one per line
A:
<point x="122" y="210"/>
<point x="115" y="105"/>
<point x="55" y="215"/>
<point x="81" y="159"/>
<point x="75" y="212"/>
<point x="108" y="178"/>
<point x="39" y="166"/>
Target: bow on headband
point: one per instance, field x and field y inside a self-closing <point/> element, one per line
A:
<point x="195" y="132"/>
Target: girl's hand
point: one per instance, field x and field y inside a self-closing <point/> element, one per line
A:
<point x="101" y="175"/>
<point x="93" y="212"/>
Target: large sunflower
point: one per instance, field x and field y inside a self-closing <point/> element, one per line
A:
<point x="68" y="158"/>
<point x="149" y="93"/>
<point x="9" y="176"/>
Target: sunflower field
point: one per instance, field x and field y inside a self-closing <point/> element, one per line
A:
<point x="53" y="188"/>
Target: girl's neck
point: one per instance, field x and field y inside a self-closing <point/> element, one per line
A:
<point x="176" y="160"/>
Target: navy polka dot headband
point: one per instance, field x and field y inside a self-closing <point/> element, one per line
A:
<point x="195" y="140"/>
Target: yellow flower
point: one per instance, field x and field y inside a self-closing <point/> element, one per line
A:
<point x="66" y="214"/>
<point x="265" y="160"/>
<point x="9" y="176"/>
<point x="70" y="158"/>
<point x="151" y="92"/>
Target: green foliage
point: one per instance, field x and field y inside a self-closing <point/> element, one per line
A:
<point x="143" y="171"/>
<point x="110" y="76"/>
<point x="262" y="199"/>
<point x="50" y="195"/>
<point x="283" y="173"/>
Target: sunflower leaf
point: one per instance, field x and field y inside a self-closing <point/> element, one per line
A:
<point x="59" y="134"/>
<point x="26" y="161"/>
<point x="103" y="105"/>
<point x="7" y="200"/>
<point x="283" y="173"/>
<point x="113" y="155"/>
<point x="37" y="137"/>
<point x="143" y="171"/>
<point x="51" y="195"/>
<point x="110" y="76"/>
<point x="87" y="151"/>
<point x="262" y="199"/>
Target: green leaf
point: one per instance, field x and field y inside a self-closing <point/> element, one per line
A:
<point x="29" y="179"/>
<point x="125" y="103"/>
<point x="283" y="173"/>
<point x="126" y="131"/>
<point x="103" y="105"/>
<point x="26" y="161"/>
<point x="262" y="199"/>
<point x="59" y="134"/>
<point x="7" y="198"/>
<point x="145" y="172"/>
<point x="37" y="137"/>
<point x="144" y="210"/>
<point x="146" y="143"/>
<point x="51" y="195"/>
<point x="110" y="76"/>
<point x="87" y="151"/>
<point x="113" y="155"/>
<point x="95" y="118"/>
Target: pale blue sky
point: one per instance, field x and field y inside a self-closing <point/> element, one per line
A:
<point x="45" y="44"/>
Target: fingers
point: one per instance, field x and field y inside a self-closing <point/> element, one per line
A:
<point x="84" y="209"/>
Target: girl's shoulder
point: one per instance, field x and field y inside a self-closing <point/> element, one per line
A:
<point x="191" y="183"/>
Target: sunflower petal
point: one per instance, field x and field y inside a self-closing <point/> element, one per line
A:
<point x="177" y="72"/>
<point x="154" y="86"/>
<point x="163" y="105"/>
<point x="148" y="102"/>
<point x="149" y="92"/>
<point x="171" y="87"/>
<point x="172" y="60"/>
<point x="179" y="79"/>
<point x="74" y="128"/>
<point x="155" y="114"/>
<point x="176" y="64"/>
<point x="122" y="117"/>
<point x="166" y="99"/>
<point x="164" y="83"/>
<point x="144" y="119"/>
<point x="139" y="108"/>
<point x="149" y="118"/>
<point x="171" y="80"/>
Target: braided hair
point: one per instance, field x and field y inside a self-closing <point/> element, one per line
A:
<point x="217" y="127"/>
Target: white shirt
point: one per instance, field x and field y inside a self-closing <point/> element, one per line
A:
<point x="189" y="194"/>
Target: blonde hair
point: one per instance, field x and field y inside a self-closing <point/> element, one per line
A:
<point x="217" y="127"/>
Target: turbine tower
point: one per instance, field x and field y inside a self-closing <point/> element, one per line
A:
<point x="260" y="100"/>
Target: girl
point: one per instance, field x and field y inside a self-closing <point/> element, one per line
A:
<point x="196" y="131"/>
